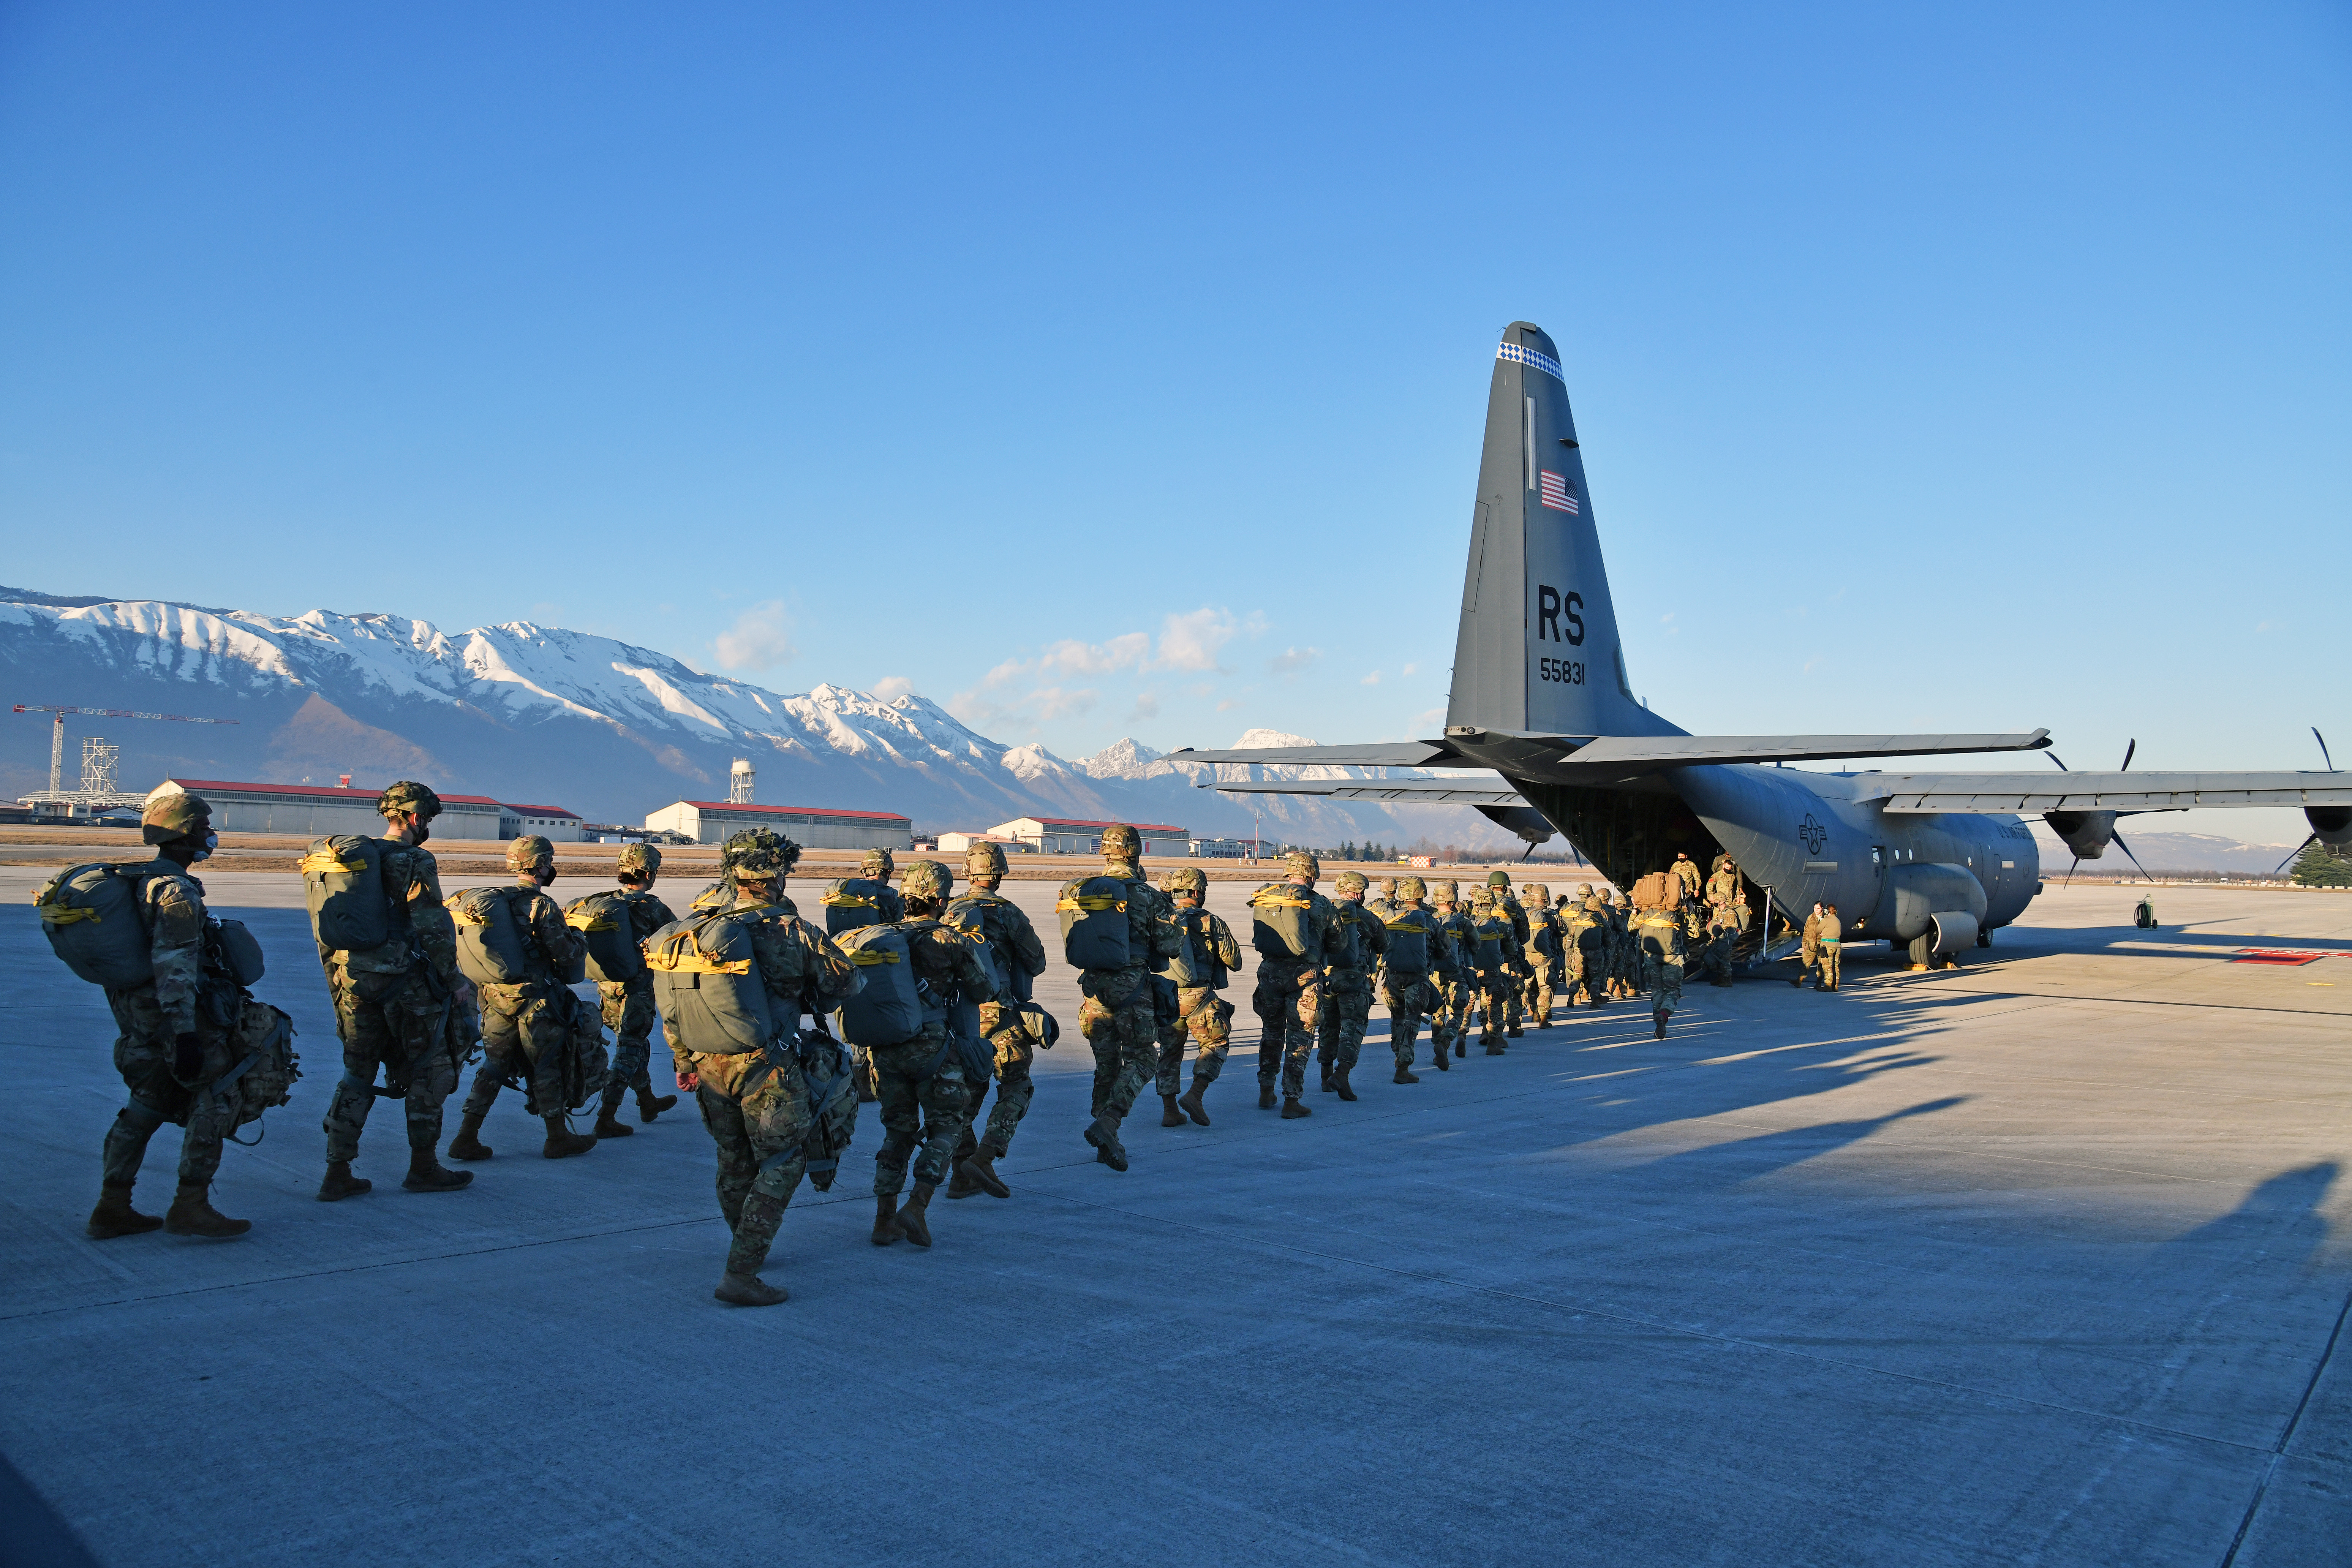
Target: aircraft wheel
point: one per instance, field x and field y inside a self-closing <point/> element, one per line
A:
<point x="1923" y="950"/>
<point x="1984" y="938"/>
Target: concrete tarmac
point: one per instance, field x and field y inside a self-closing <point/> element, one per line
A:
<point x="2042" y="1261"/>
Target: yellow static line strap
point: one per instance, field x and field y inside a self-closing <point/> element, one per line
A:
<point x="847" y="901"/>
<point x="581" y="919"/>
<point x="677" y="962"/>
<point x="1277" y="901"/>
<point x="1094" y="905"/>
<point x="322" y="864"/>
<point x="60" y="915"/>
<point x="870" y="956"/>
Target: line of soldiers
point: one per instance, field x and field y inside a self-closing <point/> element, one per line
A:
<point x="778" y="1097"/>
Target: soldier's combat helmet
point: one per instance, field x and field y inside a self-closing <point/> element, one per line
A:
<point x="1187" y="880"/>
<point x="1120" y="842"/>
<point x="1482" y="898"/>
<point x="875" y="864"/>
<point x="1302" y="862"/>
<point x="168" y="818"/>
<point x="530" y="850"/>
<point x="984" y="860"/>
<point x="639" y="860"/>
<point x="1445" y="892"/>
<point x="1537" y="891"/>
<point x="1499" y="880"/>
<point x="1352" y="882"/>
<point x="408" y="795"/>
<point x="1409" y="889"/>
<point x="926" y="879"/>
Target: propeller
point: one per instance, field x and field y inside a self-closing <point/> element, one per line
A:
<point x="2118" y="840"/>
<point x="2131" y="746"/>
<point x="2314" y="837"/>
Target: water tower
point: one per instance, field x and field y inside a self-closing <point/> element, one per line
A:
<point x="739" y="782"/>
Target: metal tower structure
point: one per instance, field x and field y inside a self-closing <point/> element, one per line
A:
<point x="739" y="782"/>
<point x="100" y="759"/>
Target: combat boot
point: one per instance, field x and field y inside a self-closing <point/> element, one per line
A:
<point x="1494" y="1048"/>
<point x="1293" y="1107"/>
<point x="1404" y="1073"/>
<point x="192" y="1214"/>
<point x="1103" y="1134"/>
<point x="982" y="1168"/>
<point x="1340" y="1085"/>
<point x="1513" y="1032"/>
<point x="887" y="1229"/>
<point x="1461" y="1045"/>
<point x="747" y="1289"/>
<point x="910" y="1215"/>
<point x="340" y="1183"/>
<point x="1169" y="1115"/>
<point x="1191" y="1102"/>
<point x="114" y="1215"/>
<point x="959" y="1180"/>
<point x="1660" y="1020"/>
<point x="467" y="1144"/>
<point x="1264" y="1094"/>
<point x="1326" y="1078"/>
<point x="650" y="1105"/>
<point x="609" y="1125"/>
<point x="561" y="1141"/>
<point x="427" y="1174"/>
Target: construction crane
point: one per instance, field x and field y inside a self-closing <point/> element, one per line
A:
<point x="100" y="787"/>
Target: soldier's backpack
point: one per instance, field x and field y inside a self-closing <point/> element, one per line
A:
<point x="602" y="920"/>
<point x="1094" y="931"/>
<point x="342" y="880"/>
<point x="1188" y="965"/>
<point x="1658" y="891"/>
<point x="91" y="916"/>
<point x="1279" y="923"/>
<point x="895" y="1004"/>
<point x="707" y="984"/>
<point x="1409" y="934"/>
<point x="234" y="951"/>
<point x="1488" y="932"/>
<point x="489" y="938"/>
<point x="980" y="911"/>
<point x="263" y="1075"/>
<point x="832" y="1106"/>
<point x="856" y="901"/>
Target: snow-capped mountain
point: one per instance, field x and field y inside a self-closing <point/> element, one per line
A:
<point x="539" y="714"/>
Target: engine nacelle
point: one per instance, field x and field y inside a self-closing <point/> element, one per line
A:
<point x="1524" y="820"/>
<point x="2332" y="823"/>
<point x="2088" y="833"/>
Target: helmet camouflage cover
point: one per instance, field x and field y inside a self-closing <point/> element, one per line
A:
<point x="1302" y="862"/>
<point x="984" y="860"/>
<point x="530" y="850"/>
<point x="1445" y="892"/>
<point x="1121" y="842"/>
<point x="1187" y="880"/>
<point x="761" y="841"/>
<point x="639" y="860"/>
<point x="1352" y="882"/>
<point x="1410" y="887"/>
<point x="1537" y="891"/>
<point x="877" y="865"/>
<point x="179" y="815"/>
<point x="408" y="795"/>
<point x="926" y="879"/>
<point x="1482" y="898"/>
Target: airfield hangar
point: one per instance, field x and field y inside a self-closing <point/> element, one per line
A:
<point x="811" y="827"/>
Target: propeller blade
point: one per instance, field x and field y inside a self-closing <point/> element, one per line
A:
<point x="2134" y="860"/>
<point x="2293" y="854"/>
<point x="2128" y="750"/>
<point x="2323" y="748"/>
<point x="2070" y="871"/>
<point x="2054" y="757"/>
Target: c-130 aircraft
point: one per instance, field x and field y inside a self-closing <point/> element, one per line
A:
<point x="1540" y="696"/>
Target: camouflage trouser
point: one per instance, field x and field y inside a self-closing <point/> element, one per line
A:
<point x="400" y="1024"/>
<point x="1410" y="997"/>
<point x="1592" y="966"/>
<point x="1538" y="987"/>
<point x="1809" y="958"/>
<point x="1514" y="980"/>
<point x="1662" y="974"/>
<point x="1207" y="1019"/>
<point x="758" y="1115"/>
<point x="1118" y="1021"/>
<point x="526" y="1032"/>
<point x="920" y="1110"/>
<point x="629" y="1014"/>
<point x="1830" y="955"/>
<point x="1288" y="1002"/>
<point x="1014" y="1052"/>
<point x="1452" y="1020"/>
<point x="1499" y="992"/>
<point x="142" y="1055"/>
<point x="1346" y="1013"/>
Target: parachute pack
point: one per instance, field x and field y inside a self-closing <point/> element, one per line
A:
<point x="978" y="912"/>
<point x="856" y="901"/>
<point x="894" y="1005"/>
<point x="1280" y="915"/>
<point x="342" y="881"/>
<point x="490" y="946"/>
<point x="90" y="915"/>
<point x="1409" y="934"/>
<point x="602" y="919"/>
<point x="708" y="986"/>
<point x="1095" y="932"/>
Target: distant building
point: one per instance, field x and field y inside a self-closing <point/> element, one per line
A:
<point x="1233" y="848"/>
<point x="552" y="823"/>
<point x="313" y="811"/>
<point x="813" y="828"/>
<point x="957" y="843"/>
<point x="1069" y="836"/>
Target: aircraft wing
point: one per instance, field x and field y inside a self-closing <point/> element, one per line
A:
<point x="1408" y="792"/>
<point x="1907" y="794"/>
<point x="1689" y="750"/>
<point x="1378" y="754"/>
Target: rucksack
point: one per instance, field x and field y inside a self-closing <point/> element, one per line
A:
<point x="489" y="939"/>
<point x="1658" y="891"/>
<point x="1488" y="931"/>
<point x="343" y="879"/>
<point x="895" y="1003"/>
<point x="708" y="987"/>
<point x="856" y="901"/>
<point x="1279" y="914"/>
<point x="1409" y="935"/>
<point x="1095" y="933"/>
<point x="1190" y="966"/>
<point x="91" y="916"/>
<point x="264" y="1073"/>
<point x="979" y="912"/>
<point x="603" y="919"/>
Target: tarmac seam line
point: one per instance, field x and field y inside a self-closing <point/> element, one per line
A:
<point x="2287" y="1435"/>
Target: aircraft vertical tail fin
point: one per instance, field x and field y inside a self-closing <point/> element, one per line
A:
<point x="1538" y="648"/>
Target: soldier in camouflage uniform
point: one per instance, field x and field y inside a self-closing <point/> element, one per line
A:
<point x="1543" y="952"/>
<point x="1289" y="995"/>
<point x="1577" y="947"/>
<point x="1460" y="984"/>
<point x="1810" y="947"/>
<point x="1624" y="953"/>
<point x="758" y="1105"/>
<point x="1515" y="958"/>
<point x="1412" y="994"/>
<point x="1498" y="982"/>
<point x="925" y="1092"/>
<point x="721" y="893"/>
<point x="1726" y="897"/>
<point x="1686" y="869"/>
<point x="530" y="1030"/>
<point x="393" y="1004"/>
<point x="1663" y="951"/>
<point x="1120" y="1016"/>
<point x="1384" y="902"/>
<point x="1363" y="942"/>
<point x="1206" y="1016"/>
<point x="629" y="1004"/>
<point x="169" y="1055"/>
<point x="1013" y="1026"/>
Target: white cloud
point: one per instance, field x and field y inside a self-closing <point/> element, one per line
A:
<point x="760" y="638"/>
<point x="1070" y="657"/>
<point x="1053" y="702"/>
<point x="1192" y="640"/>
<point x="1410" y="668"/>
<point x="1147" y="706"/>
<point x="891" y="687"/>
<point x="1228" y="704"/>
<point x="1371" y="679"/>
<point x="1012" y="668"/>
<point x="1291" y="661"/>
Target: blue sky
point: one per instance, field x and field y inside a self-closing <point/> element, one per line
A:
<point x="1098" y="373"/>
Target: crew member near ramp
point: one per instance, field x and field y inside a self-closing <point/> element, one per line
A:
<point x="1117" y="929"/>
<point x="1831" y="935"/>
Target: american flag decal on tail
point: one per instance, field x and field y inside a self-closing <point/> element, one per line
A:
<point x="1555" y="493"/>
